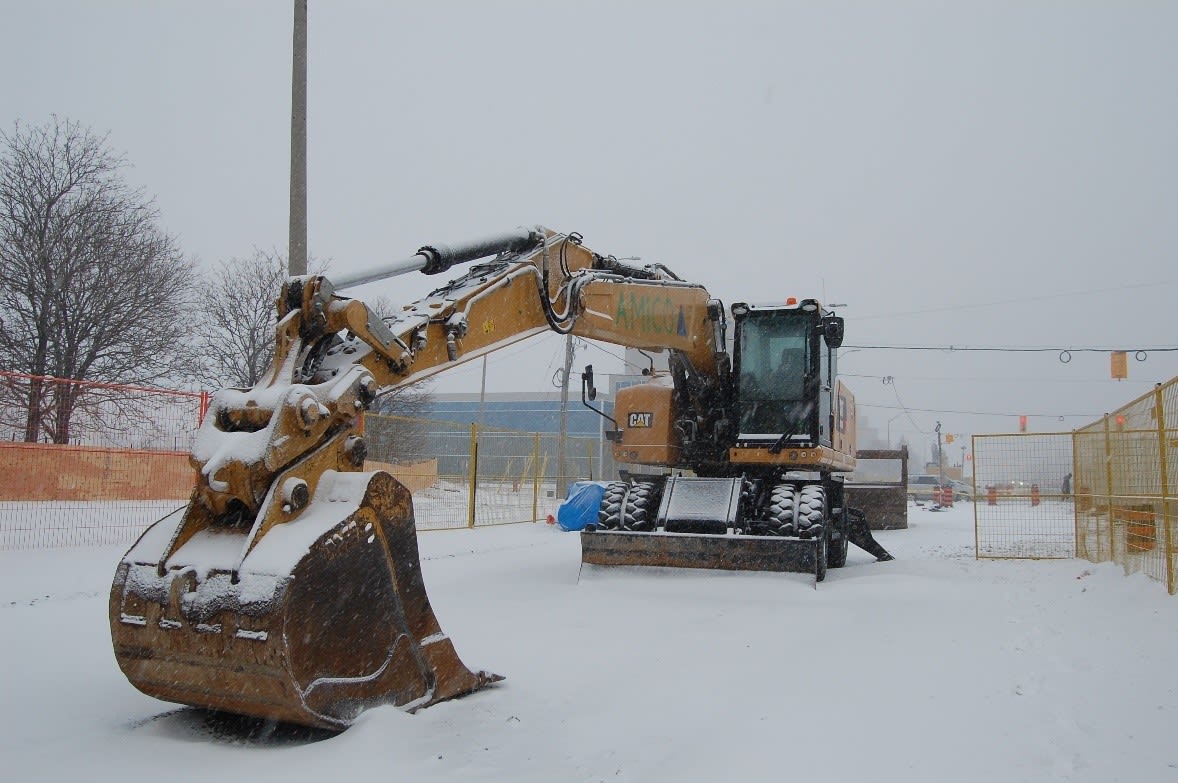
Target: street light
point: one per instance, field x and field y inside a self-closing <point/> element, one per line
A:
<point x="898" y="415"/>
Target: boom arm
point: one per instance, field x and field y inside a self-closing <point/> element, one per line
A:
<point x="333" y="354"/>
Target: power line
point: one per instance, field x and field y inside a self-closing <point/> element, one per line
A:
<point x="1005" y="379"/>
<point x="1013" y="349"/>
<point x="890" y="381"/>
<point x="904" y="408"/>
<point x="622" y="359"/>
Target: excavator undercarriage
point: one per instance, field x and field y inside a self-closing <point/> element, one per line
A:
<point x="726" y="524"/>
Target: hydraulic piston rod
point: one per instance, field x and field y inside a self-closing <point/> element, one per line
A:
<point x="434" y="259"/>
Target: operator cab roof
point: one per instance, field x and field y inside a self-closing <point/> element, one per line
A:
<point x="792" y="303"/>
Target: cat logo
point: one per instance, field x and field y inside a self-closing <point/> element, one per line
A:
<point x="640" y="420"/>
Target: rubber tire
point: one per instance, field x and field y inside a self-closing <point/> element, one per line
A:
<point x="642" y="504"/>
<point x="609" y="514"/>
<point x="783" y="507"/>
<point x="812" y="506"/>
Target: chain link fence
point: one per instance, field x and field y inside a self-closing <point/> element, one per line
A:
<point x="1022" y="506"/>
<point x="479" y="476"/>
<point x="1104" y="492"/>
<point x="1125" y="486"/>
<point x="125" y="464"/>
<point x="89" y="463"/>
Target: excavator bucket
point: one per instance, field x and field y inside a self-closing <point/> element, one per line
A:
<point x="700" y="550"/>
<point x="310" y="623"/>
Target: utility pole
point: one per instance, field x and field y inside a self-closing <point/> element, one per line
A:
<point x="297" y="251"/>
<point x="563" y="440"/>
<point x="940" y="457"/>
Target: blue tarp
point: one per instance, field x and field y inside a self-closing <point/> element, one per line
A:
<point x="581" y="505"/>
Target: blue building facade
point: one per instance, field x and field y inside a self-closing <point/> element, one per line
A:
<point x="521" y="411"/>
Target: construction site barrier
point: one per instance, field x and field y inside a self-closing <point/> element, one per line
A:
<point x="1104" y="492"/>
<point x="89" y="463"/>
<point x="482" y="475"/>
<point x="126" y="464"/>
<point x="1019" y="518"/>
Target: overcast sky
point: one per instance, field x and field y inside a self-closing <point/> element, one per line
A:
<point x="978" y="174"/>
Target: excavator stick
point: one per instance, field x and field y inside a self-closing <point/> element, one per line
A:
<point x="322" y="617"/>
<point x="701" y="550"/>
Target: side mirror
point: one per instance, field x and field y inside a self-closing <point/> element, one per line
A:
<point x="832" y="330"/>
<point x="587" y="387"/>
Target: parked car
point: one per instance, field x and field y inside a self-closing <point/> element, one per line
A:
<point x="1012" y="487"/>
<point x="962" y="490"/>
<point x="922" y="485"/>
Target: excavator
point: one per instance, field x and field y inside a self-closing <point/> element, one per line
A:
<point x="290" y="589"/>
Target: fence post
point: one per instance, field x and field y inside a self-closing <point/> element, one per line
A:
<point x="589" y="456"/>
<point x="204" y="408"/>
<point x="535" y="476"/>
<point x="973" y="449"/>
<point x="1108" y="497"/>
<point x="1163" y="468"/>
<point x="474" y="474"/>
<point x="1081" y="548"/>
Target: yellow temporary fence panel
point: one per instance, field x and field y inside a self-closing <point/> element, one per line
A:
<point x="1022" y="504"/>
<point x="1104" y="492"/>
<point x="483" y="475"/>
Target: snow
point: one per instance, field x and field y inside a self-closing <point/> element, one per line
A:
<point x="212" y="558"/>
<point x="933" y="667"/>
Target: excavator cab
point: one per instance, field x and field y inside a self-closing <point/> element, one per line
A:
<point x="786" y="369"/>
<point x="775" y="390"/>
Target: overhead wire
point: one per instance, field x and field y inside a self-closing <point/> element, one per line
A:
<point x="1013" y="349"/>
<point x="905" y="409"/>
<point x="1009" y="379"/>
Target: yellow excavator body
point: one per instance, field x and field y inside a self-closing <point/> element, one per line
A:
<point x="290" y="587"/>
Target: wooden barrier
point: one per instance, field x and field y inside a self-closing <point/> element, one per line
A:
<point x="1140" y="529"/>
<point x="38" y="471"/>
<point x="416" y="476"/>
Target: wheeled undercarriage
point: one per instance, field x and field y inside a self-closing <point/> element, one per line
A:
<point x="780" y="523"/>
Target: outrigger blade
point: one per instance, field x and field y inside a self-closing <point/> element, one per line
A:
<point x="702" y="550"/>
<point x="311" y="621"/>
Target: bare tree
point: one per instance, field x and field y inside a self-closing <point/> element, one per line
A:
<point x="236" y="307"/>
<point x="237" y="314"/>
<point x="401" y="433"/>
<point x="90" y="287"/>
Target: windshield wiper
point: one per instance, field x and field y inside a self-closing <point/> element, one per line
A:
<point x="779" y="444"/>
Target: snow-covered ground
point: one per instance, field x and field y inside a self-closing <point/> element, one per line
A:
<point x="934" y="667"/>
